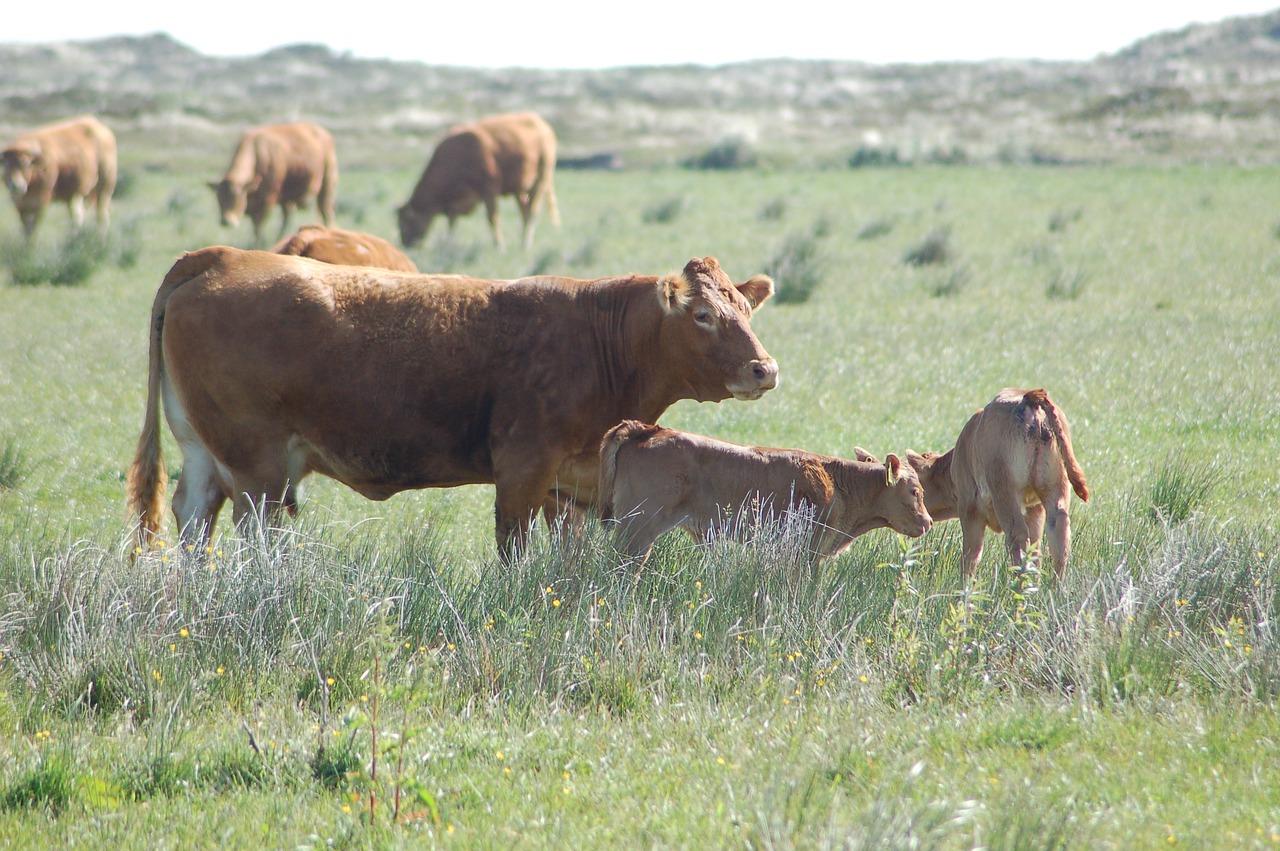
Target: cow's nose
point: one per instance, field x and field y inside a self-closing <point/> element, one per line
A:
<point x="766" y="372"/>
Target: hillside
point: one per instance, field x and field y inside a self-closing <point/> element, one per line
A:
<point x="1204" y="93"/>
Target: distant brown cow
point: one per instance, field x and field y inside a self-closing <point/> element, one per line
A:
<point x="512" y="154"/>
<point x="344" y="248"/>
<point x="284" y="164"/>
<point x="272" y="367"/>
<point x="653" y="479"/>
<point x="1012" y="469"/>
<point x="73" y="161"/>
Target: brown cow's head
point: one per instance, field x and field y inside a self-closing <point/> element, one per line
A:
<point x="706" y="335"/>
<point x="902" y="503"/>
<point x="233" y="197"/>
<point x="413" y="225"/>
<point x="19" y="166"/>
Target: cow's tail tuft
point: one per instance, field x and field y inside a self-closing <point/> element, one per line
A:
<point x="147" y="481"/>
<point x="614" y="438"/>
<point x="1057" y="422"/>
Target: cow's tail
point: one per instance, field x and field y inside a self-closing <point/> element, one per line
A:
<point x="1057" y="422"/>
<point x="147" y="480"/>
<point x="614" y="438"/>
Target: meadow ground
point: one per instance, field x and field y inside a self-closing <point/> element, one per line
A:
<point x="721" y="696"/>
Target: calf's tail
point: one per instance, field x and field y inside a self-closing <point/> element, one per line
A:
<point x="614" y="438"/>
<point x="1057" y="422"/>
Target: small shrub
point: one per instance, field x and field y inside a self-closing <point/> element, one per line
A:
<point x="875" y="228"/>
<point x="69" y="264"/>
<point x="796" y="269"/>
<point x="665" y="212"/>
<point x="954" y="282"/>
<point x="726" y="156"/>
<point x="873" y="157"/>
<point x="1067" y="284"/>
<point x="934" y="248"/>
<point x="1181" y="486"/>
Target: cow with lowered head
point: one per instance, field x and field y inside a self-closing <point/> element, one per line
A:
<point x="72" y="162"/>
<point x="279" y="164"/>
<point x="513" y="154"/>
<point x="272" y="367"/>
<point x="654" y="479"/>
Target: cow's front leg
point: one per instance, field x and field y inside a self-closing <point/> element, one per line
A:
<point x="522" y="487"/>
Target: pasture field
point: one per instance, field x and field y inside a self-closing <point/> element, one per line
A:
<point x="720" y="696"/>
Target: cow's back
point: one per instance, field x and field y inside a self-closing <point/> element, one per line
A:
<point x="365" y="366"/>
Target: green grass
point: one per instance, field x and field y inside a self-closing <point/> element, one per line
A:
<point x="720" y="696"/>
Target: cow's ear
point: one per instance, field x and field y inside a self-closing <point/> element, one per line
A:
<point x="892" y="468"/>
<point x="860" y="454"/>
<point x="916" y="460"/>
<point x="675" y="291"/>
<point x="756" y="290"/>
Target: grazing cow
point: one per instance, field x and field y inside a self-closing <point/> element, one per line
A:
<point x="285" y="164"/>
<point x="512" y="154"/>
<point x="73" y="161"/>
<point x="271" y="367"/>
<point x="1011" y="469"/>
<point x="653" y="479"/>
<point x="344" y="248"/>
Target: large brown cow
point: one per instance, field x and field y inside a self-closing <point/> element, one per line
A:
<point x="271" y="367"/>
<point x="1012" y="469"/>
<point x="653" y="479"/>
<point x="73" y="161"/>
<point x="344" y="248"/>
<point x="284" y="164"/>
<point x="512" y="154"/>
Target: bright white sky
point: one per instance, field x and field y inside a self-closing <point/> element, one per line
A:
<point x="606" y="33"/>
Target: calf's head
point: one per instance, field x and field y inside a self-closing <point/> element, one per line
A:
<point x="706" y="340"/>
<point x="902" y="503"/>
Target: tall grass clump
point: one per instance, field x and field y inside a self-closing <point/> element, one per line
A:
<point x="1067" y="284"/>
<point x="796" y="269"/>
<point x="666" y="211"/>
<point x="774" y="210"/>
<point x="933" y="249"/>
<point x="1181" y="486"/>
<point x="875" y="228"/>
<point x="1059" y="219"/>
<point x="955" y="282"/>
<point x="15" y="465"/>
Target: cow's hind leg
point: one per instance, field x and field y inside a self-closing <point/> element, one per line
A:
<point x="1058" y="529"/>
<point x="1017" y="534"/>
<point x="973" y="528"/>
<point x="204" y="483"/>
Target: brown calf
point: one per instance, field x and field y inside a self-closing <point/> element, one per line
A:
<point x="1012" y="469"/>
<point x="653" y="479"/>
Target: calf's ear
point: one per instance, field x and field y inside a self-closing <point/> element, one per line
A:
<point x="892" y="468"/>
<point x="756" y="290"/>
<point x="860" y="454"/>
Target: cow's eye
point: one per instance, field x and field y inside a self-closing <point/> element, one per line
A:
<point x="703" y="317"/>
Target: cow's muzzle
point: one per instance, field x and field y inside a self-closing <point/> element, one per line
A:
<point x="759" y="377"/>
